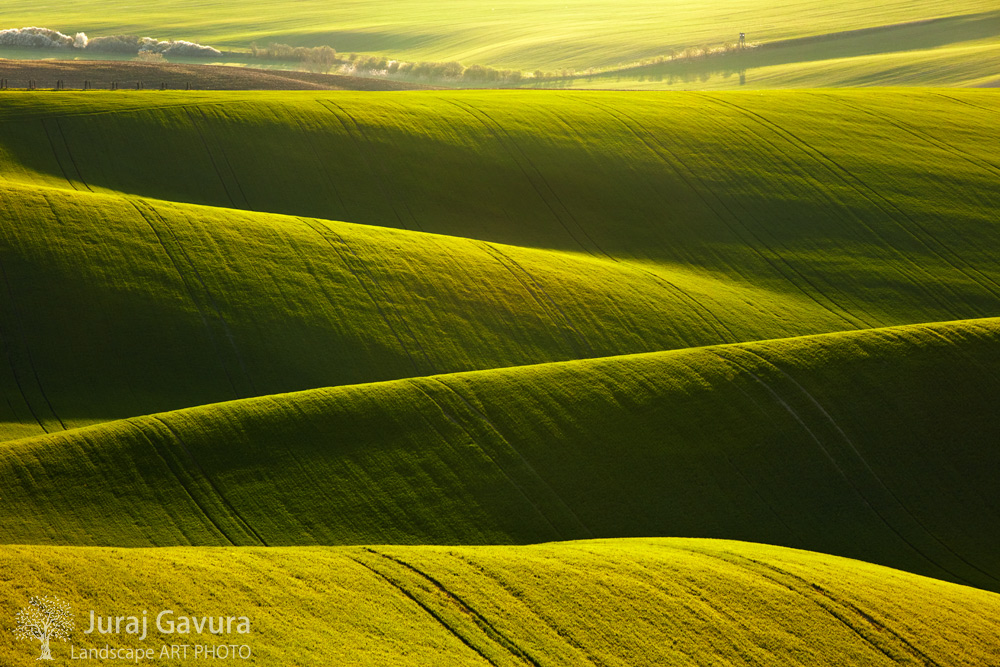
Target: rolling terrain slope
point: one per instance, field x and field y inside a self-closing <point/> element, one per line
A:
<point x="629" y="223"/>
<point x="302" y="323"/>
<point x="126" y="74"/>
<point x="619" y="603"/>
<point x="878" y="445"/>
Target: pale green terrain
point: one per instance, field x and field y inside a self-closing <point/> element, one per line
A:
<point x="551" y="36"/>
<point x="955" y="51"/>
<point x="606" y="602"/>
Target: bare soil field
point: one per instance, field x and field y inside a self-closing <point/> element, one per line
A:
<point x="107" y="74"/>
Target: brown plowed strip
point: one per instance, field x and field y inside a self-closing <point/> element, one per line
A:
<point x="127" y="74"/>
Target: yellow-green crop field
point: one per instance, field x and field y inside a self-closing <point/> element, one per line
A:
<point x="504" y="377"/>
<point x="609" y="602"/>
<point x="806" y="44"/>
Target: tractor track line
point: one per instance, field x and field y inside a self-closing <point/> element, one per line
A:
<point x="430" y="612"/>
<point x="864" y="462"/>
<point x="173" y="471"/>
<point x="673" y="164"/>
<point x="194" y="300"/>
<point x="338" y="113"/>
<point x="454" y="420"/>
<point x="850" y="180"/>
<point x="791" y="411"/>
<point x="211" y="483"/>
<point x="481" y="415"/>
<point x="487" y="628"/>
<point x="513" y="150"/>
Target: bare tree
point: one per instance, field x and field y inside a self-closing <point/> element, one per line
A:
<point x="44" y="619"/>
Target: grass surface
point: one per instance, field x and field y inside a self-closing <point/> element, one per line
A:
<point x="613" y="602"/>
<point x="517" y="318"/>
<point x="876" y="445"/>
<point x="515" y="33"/>
<point x="176" y="305"/>
<point x="567" y="226"/>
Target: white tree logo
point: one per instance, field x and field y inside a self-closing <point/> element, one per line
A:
<point x="43" y="619"/>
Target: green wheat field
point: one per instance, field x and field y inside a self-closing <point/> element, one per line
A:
<point x="699" y="376"/>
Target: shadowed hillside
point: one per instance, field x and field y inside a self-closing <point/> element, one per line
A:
<point x="877" y="445"/>
<point x="632" y="223"/>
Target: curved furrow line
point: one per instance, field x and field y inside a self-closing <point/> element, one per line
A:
<point x="191" y="295"/>
<point x="425" y="607"/>
<point x="182" y="250"/>
<point x="864" y="190"/>
<point x="179" y="479"/>
<point x="358" y="136"/>
<point x="176" y="436"/>
<point x="915" y="132"/>
<point x="477" y="413"/>
<point x="884" y="241"/>
<point x="211" y="155"/>
<point x="867" y="468"/>
<point x="673" y="163"/>
<point x="837" y="464"/>
<point x="28" y="358"/>
<point x="577" y="341"/>
<point x="322" y="231"/>
<point x="472" y="439"/>
<point x="488" y="628"/>
<point x="503" y="137"/>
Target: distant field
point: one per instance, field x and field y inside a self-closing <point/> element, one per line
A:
<point x="621" y="603"/>
<point x="44" y="74"/>
<point x="956" y="51"/>
<point x="510" y="33"/>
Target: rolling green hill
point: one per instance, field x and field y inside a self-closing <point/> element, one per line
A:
<point x="878" y="445"/>
<point x="613" y="602"/>
<point x="629" y="223"/>
<point x="302" y="323"/>
<point x="174" y="305"/>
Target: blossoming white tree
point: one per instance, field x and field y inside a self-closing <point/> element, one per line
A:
<point x="44" y="618"/>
